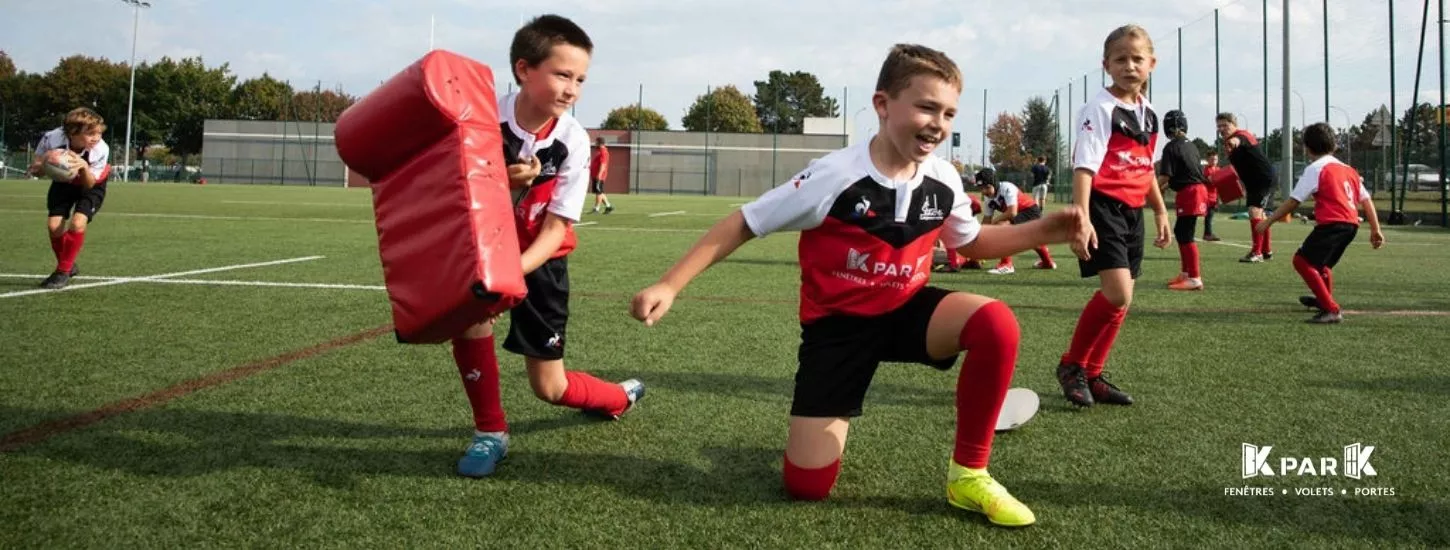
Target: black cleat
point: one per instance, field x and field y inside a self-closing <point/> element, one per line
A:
<point x="1268" y="256"/>
<point x="1325" y="318"/>
<point x="56" y="280"/>
<point x="1074" y="385"/>
<point x="1309" y="302"/>
<point x="608" y="209"/>
<point x="1105" y="392"/>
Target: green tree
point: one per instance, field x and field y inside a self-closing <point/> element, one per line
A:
<point x="322" y="106"/>
<point x="1007" y="153"/>
<point x="724" y="109"/>
<point x="261" y="98"/>
<point x="628" y="116"/>
<point x="1039" y="134"/>
<point x="179" y="97"/>
<point x="783" y="101"/>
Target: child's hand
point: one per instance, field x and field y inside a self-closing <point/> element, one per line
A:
<point x="522" y="175"/>
<point x="652" y="303"/>
<point x="1084" y="239"/>
<point x="1376" y="239"/>
<point x="1163" y="232"/>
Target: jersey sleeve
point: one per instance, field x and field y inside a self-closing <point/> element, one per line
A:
<point x="100" y="161"/>
<point x="1093" y="131"/>
<point x="797" y="205"/>
<point x="568" y="199"/>
<point x="49" y="141"/>
<point x="1307" y="185"/>
<point x="961" y="226"/>
<point x="1009" y="195"/>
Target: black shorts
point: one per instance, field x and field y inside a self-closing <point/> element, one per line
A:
<point x="597" y="187"/>
<point x="1258" y="198"/>
<point x="1025" y="215"/>
<point x="1327" y="242"/>
<point x="839" y="354"/>
<point x="63" y="197"/>
<point x="537" y="325"/>
<point x="1120" y="236"/>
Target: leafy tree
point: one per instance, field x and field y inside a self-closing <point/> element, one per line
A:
<point x="630" y="116"/>
<point x="724" y="109"/>
<point x="783" y="101"/>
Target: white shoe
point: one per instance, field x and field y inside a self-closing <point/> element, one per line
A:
<point x="1002" y="270"/>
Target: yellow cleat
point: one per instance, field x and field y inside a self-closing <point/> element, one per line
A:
<point x="976" y="491"/>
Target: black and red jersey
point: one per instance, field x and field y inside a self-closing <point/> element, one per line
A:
<point x="1336" y="188"/>
<point x="1250" y="162"/>
<point x="1119" y="143"/>
<point x="563" y="181"/>
<point x="865" y="241"/>
<point x="1008" y="195"/>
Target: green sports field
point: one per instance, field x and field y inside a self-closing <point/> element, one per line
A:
<point x="222" y="375"/>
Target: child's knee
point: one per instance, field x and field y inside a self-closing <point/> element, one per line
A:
<point x="992" y="324"/>
<point x="480" y="330"/>
<point x="549" y="389"/>
<point x="78" y="224"/>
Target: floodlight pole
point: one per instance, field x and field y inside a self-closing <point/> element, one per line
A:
<point x="136" y="6"/>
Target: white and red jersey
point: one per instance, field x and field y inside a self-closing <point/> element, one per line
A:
<point x="98" y="157"/>
<point x="563" y="181"/>
<point x="1336" y="188"/>
<point x="866" y="241"/>
<point x="1008" y="195"/>
<point x="1119" y="143"/>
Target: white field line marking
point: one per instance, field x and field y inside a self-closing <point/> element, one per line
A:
<point x="1227" y="243"/>
<point x="674" y="213"/>
<point x="585" y="224"/>
<point x="359" y="205"/>
<point x="207" y="217"/>
<point x="162" y="276"/>
<point x="218" y="282"/>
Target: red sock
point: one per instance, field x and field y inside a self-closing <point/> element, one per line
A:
<point x="804" y="484"/>
<point x="1315" y="280"/>
<point x="478" y="365"/>
<point x="953" y="259"/>
<point x="1329" y="279"/>
<point x="1005" y="262"/>
<point x="589" y="393"/>
<point x="1264" y="246"/>
<point x="70" y="248"/>
<point x="1258" y="239"/>
<point x="1189" y="254"/>
<point x="1094" y="317"/>
<point x="990" y="339"/>
<point x="1044" y="254"/>
<point x="1103" y="345"/>
<point x="57" y="245"/>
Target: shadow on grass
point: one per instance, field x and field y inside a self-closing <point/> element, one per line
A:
<point x="780" y="389"/>
<point x="186" y="443"/>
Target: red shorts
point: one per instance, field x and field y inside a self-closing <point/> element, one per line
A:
<point x="1212" y="197"/>
<point x="1192" y="200"/>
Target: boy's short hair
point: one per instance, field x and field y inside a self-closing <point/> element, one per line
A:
<point x="1319" y="139"/>
<point x="1041" y="158"/>
<point x="905" y="61"/>
<point x="82" y="120"/>
<point x="1227" y="117"/>
<point x="985" y="177"/>
<point x="535" y="41"/>
<point x="1212" y="153"/>
<point x="599" y="141"/>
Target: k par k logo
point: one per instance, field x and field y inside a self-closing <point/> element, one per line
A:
<point x="1356" y="463"/>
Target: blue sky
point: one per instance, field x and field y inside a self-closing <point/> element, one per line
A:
<point x="677" y="49"/>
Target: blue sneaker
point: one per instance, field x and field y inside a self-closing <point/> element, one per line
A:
<point x="482" y="456"/>
<point x="634" y="389"/>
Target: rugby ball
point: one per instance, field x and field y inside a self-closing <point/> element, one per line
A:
<point x="62" y="167"/>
